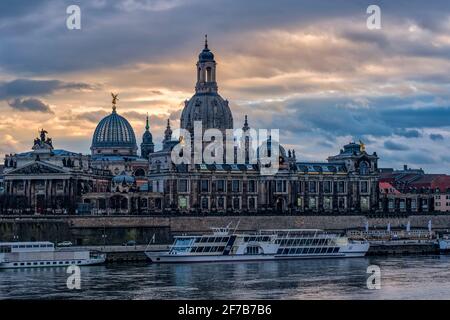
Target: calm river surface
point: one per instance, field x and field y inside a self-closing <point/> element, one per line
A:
<point x="402" y="277"/>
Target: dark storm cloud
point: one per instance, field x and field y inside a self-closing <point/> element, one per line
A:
<point x="382" y="118"/>
<point x="36" y="43"/>
<point x="436" y="137"/>
<point x="391" y="145"/>
<point x="409" y="133"/>
<point x="27" y="87"/>
<point x="30" y="104"/>
<point x="118" y="32"/>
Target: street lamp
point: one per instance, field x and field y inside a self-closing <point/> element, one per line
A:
<point x="104" y="236"/>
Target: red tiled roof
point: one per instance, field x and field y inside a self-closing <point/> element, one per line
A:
<point x="389" y="187"/>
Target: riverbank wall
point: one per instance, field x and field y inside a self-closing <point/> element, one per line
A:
<point x="115" y="230"/>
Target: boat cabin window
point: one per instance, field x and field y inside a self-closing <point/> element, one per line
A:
<point x="182" y="245"/>
<point x="252" y="250"/>
<point x="5" y="249"/>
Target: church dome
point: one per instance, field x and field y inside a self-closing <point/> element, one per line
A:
<point x="206" y="55"/>
<point x="265" y="149"/>
<point x="114" y="132"/>
<point x="209" y="108"/>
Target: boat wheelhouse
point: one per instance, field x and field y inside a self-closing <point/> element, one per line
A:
<point x="43" y="254"/>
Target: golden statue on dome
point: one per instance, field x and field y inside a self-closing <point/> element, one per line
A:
<point x="362" y="146"/>
<point x="114" y="100"/>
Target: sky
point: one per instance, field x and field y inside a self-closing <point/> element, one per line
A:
<point x="309" y="68"/>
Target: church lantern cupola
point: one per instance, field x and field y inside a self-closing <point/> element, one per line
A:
<point x="206" y="71"/>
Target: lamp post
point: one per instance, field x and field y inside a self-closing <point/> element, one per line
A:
<point x="104" y="236"/>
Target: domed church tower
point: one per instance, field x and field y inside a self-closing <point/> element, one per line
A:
<point x="114" y="136"/>
<point x="206" y="105"/>
<point x="147" y="145"/>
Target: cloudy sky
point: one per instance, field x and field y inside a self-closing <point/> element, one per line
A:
<point x="310" y="68"/>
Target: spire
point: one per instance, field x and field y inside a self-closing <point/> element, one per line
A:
<point x="147" y="126"/>
<point x="206" y="42"/>
<point x="147" y="145"/>
<point x="168" y="132"/>
<point x="245" y="127"/>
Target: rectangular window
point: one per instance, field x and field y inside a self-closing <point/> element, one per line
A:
<point x="299" y="202"/>
<point x="204" y="185"/>
<point x="364" y="187"/>
<point x="205" y="203"/>
<point x="183" y="185"/>
<point x="364" y="203"/>
<point x="251" y="203"/>
<point x="236" y="203"/>
<point x="327" y="203"/>
<point x="341" y="203"/>
<point x="281" y="186"/>
<point x="312" y="203"/>
<point x="220" y="203"/>
<point x="220" y="184"/>
<point x="251" y="186"/>
<point x="182" y="202"/>
<point x="158" y="203"/>
<point x="327" y="186"/>
<point x="236" y="186"/>
<point x="341" y="187"/>
<point x="391" y="204"/>
<point x="312" y="186"/>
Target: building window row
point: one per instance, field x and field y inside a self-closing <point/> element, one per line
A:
<point x="220" y="185"/>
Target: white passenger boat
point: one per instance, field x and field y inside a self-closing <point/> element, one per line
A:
<point x="44" y="254"/>
<point x="224" y="245"/>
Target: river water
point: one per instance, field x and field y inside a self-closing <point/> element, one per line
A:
<point x="402" y="277"/>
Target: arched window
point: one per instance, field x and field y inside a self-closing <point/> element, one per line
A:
<point x="208" y="74"/>
<point x="139" y="172"/>
<point x="363" y="168"/>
